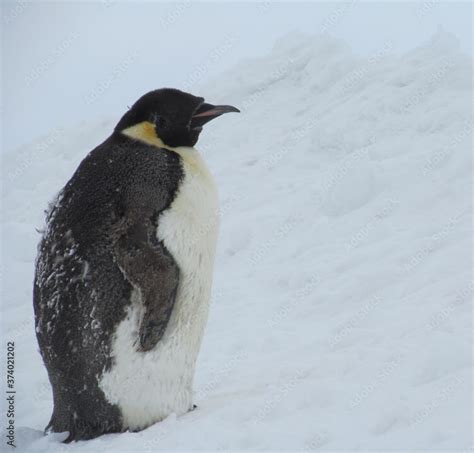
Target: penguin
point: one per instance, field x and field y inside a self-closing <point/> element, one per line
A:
<point x="124" y="271"/>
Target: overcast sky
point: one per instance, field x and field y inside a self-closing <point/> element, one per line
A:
<point x="63" y="62"/>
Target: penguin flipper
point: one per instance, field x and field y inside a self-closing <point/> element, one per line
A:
<point x="149" y="267"/>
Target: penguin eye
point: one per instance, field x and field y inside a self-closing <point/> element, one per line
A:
<point x="161" y="122"/>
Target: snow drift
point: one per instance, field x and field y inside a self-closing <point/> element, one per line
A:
<point x="341" y="313"/>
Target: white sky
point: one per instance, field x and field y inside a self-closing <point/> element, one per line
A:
<point x="64" y="62"/>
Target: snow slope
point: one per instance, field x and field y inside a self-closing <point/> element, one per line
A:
<point x="342" y="313"/>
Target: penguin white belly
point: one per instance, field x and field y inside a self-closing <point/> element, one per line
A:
<point x="149" y="386"/>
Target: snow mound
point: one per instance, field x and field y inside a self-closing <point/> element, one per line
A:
<point x="341" y="315"/>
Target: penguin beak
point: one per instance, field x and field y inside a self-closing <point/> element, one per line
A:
<point x="207" y="112"/>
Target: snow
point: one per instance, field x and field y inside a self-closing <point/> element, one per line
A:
<point x="341" y="316"/>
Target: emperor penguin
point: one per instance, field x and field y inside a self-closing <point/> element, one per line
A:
<point x="124" y="271"/>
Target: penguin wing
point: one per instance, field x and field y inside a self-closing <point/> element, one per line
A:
<point x="151" y="269"/>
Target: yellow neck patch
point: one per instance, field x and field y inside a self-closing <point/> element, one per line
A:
<point x="145" y="132"/>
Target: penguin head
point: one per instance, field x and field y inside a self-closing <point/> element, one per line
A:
<point x="170" y="116"/>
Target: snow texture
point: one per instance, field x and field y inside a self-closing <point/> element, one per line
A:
<point x="341" y="315"/>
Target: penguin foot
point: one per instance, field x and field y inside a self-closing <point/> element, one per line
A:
<point x="193" y="408"/>
<point x="80" y="429"/>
